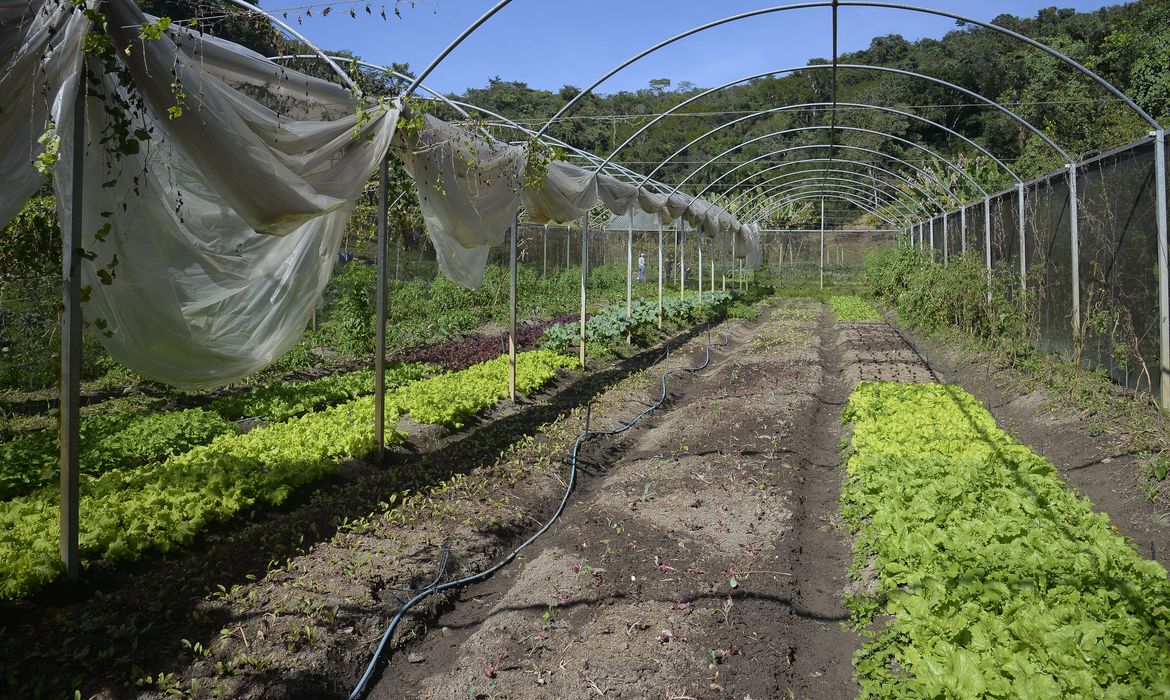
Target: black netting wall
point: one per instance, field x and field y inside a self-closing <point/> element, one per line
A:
<point x="795" y="256"/>
<point x="1118" y="267"/>
<point x="1049" y="249"/>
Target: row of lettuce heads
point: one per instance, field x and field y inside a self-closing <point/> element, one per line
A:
<point x="993" y="579"/>
<point x="154" y="482"/>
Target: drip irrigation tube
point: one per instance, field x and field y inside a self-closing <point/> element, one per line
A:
<point x="437" y="587"/>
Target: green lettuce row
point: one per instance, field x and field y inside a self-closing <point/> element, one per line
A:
<point x="125" y="512"/>
<point x="450" y="399"/>
<point x="611" y="325"/>
<point x="849" y="307"/>
<point x="29" y="462"/>
<point x="123" y="440"/>
<point x="1001" y="583"/>
<point x="278" y="402"/>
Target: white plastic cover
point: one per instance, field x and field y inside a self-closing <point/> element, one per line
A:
<point x="203" y="292"/>
<point x="617" y="196"/>
<point x="566" y="193"/>
<point x="468" y="190"/>
<point x="39" y="44"/>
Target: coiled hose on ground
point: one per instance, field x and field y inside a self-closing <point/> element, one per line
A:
<point x="437" y="586"/>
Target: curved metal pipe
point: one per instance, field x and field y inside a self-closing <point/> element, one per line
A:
<point x="918" y="188"/>
<point x="451" y="47"/>
<point x="920" y="171"/>
<point x="800" y="129"/>
<point x="892" y="198"/>
<point x="851" y="105"/>
<point x="829" y="194"/>
<point x="845" y="186"/>
<point x="460" y="108"/>
<point x="834" y="4"/>
<point x="1019" y="37"/>
<point x="292" y="32"/>
<point x="842" y="184"/>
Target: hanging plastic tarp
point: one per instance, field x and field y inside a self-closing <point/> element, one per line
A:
<point x="565" y="193"/>
<point x="40" y="44"/>
<point x="468" y="190"/>
<point x="617" y="196"/>
<point x="211" y="213"/>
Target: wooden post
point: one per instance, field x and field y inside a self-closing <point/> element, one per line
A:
<point x="380" y="303"/>
<point x="72" y="254"/>
<point x="584" y="277"/>
<point x="512" y="308"/>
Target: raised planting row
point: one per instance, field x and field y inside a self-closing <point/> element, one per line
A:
<point x="610" y="327"/>
<point x="849" y="307"/>
<point x="127" y="440"/>
<point x="125" y="512"/>
<point x="992" y="578"/>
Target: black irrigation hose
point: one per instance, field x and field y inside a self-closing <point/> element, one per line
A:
<point x="436" y="587"/>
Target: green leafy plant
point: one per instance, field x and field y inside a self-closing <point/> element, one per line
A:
<point x="998" y="580"/>
<point x="852" y="308"/>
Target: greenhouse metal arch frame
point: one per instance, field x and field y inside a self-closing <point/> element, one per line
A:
<point x="71" y="317"/>
<point x="1159" y="134"/>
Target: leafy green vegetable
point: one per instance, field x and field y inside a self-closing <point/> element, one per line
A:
<point x="281" y="401"/>
<point x="126" y="512"/>
<point x="853" y="308"/>
<point x="1001" y="583"/>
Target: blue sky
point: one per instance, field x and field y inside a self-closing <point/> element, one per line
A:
<point x="550" y="43"/>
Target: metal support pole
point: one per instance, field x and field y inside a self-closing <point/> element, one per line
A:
<point x="70" y="398"/>
<point x="1163" y="268"/>
<point x="712" y="256"/>
<point x="732" y="266"/>
<point x="682" y="260"/>
<point x="660" y="272"/>
<point x="544" y="242"/>
<point x="932" y="238"/>
<point x="1074" y="229"/>
<point x="512" y="308"/>
<point x="568" y="240"/>
<point x="699" y="240"/>
<point x="946" y="239"/>
<point x="963" y="228"/>
<point x="822" y="242"/>
<point x="380" y="302"/>
<point x="1023" y="242"/>
<point x="987" y="231"/>
<point x="630" y="267"/>
<point x="584" y="277"/>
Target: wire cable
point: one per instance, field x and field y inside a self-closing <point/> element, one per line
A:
<point x="486" y="573"/>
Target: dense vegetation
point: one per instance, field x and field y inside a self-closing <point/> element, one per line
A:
<point x="997" y="580"/>
<point x="133" y="507"/>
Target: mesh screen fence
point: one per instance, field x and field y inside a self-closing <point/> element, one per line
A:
<point x="1116" y="261"/>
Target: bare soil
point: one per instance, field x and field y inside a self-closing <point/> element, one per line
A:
<point x="701" y="554"/>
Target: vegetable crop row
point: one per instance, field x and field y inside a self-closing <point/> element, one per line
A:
<point x="125" y="440"/>
<point x="995" y="579"/>
<point x="612" y="325"/>
<point x="125" y="512"/>
<point x="849" y="307"/>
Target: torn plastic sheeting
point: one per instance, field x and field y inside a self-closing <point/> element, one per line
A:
<point x="200" y="297"/>
<point x="40" y="44"/>
<point x="468" y="191"/>
<point x="617" y="196"/>
<point x="566" y="192"/>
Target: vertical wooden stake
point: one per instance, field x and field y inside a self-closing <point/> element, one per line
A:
<point x="72" y="254"/>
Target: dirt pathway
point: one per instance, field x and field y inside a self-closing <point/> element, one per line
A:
<point x="705" y="560"/>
